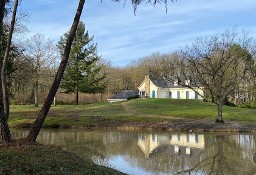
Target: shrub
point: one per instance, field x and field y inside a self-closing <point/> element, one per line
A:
<point x="133" y="97"/>
<point x="248" y="105"/>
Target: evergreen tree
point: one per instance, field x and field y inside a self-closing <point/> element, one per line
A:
<point x="82" y="73"/>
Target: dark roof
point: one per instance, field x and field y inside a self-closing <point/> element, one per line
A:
<point x="124" y="94"/>
<point x="159" y="82"/>
<point x="169" y="82"/>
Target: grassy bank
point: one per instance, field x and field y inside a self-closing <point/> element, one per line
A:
<point x="139" y="110"/>
<point x="40" y="160"/>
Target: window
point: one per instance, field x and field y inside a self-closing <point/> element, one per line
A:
<point x="170" y="94"/>
<point x="178" y="94"/>
<point x="196" y="95"/>
<point x="187" y="94"/>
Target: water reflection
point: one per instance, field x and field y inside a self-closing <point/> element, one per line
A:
<point x="181" y="144"/>
<point x="158" y="153"/>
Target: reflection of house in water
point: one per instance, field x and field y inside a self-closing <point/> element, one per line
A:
<point x="147" y="143"/>
<point x="181" y="144"/>
<point x="186" y="142"/>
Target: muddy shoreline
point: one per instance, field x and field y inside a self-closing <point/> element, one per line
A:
<point x="192" y="126"/>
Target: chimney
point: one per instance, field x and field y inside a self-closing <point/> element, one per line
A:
<point x="147" y="85"/>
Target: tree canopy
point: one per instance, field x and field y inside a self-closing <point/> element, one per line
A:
<point x="82" y="73"/>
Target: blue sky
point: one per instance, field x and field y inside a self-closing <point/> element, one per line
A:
<point x="122" y="36"/>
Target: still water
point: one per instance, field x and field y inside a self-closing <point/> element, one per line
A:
<point x="146" y="153"/>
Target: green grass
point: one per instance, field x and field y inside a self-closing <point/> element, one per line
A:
<point x="40" y="160"/>
<point x="138" y="110"/>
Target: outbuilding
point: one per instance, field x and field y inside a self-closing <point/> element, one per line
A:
<point x="123" y="95"/>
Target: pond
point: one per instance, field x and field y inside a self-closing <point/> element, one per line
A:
<point x="143" y="153"/>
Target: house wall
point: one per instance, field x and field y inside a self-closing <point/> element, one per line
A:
<point x="142" y="87"/>
<point x="163" y="93"/>
<point x="159" y="92"/>
<point x="153" y="88"/>
<point x="183" y="93"/>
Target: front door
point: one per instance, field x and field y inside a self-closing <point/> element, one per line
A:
<point x="153" y="94"/>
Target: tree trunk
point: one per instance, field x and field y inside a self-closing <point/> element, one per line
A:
<point x="36" y="94"/>
<point x="77" y="97"/>
<point x="5" y="62"/>
<point x="2" y="6"/>
<point x="5" y="131"/>
<point x="47" y="104"/>
<point x="219" y="118"/>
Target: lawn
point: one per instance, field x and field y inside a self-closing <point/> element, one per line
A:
<point x="138" y="110"/>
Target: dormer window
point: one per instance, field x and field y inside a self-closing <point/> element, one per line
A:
<point x="176" y="83"/>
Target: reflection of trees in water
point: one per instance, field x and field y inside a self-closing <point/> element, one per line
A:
<point x="222" y="154"/>
<point x="163" y="161"/>
<point x="97" y="145"/>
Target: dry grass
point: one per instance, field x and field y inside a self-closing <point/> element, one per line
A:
<point x="23" y="158"/>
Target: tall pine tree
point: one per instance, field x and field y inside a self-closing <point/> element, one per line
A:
<point x="82" y="73"/>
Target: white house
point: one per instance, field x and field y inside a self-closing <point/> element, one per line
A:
<point x="161" y="88"/>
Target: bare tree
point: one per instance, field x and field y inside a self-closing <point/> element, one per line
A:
<point x="161" y="64"/>
<point x="4" y="100"/>
<point x="218" y="64"/>
<point x="21" y="84"/>
<point x="42" y="53"/>
<point x="47" y="104"/>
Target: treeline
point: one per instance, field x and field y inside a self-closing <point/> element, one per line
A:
<point x="33" y="69"/>
<point x="31" y="73"/>
<point x="30" y="79"/>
